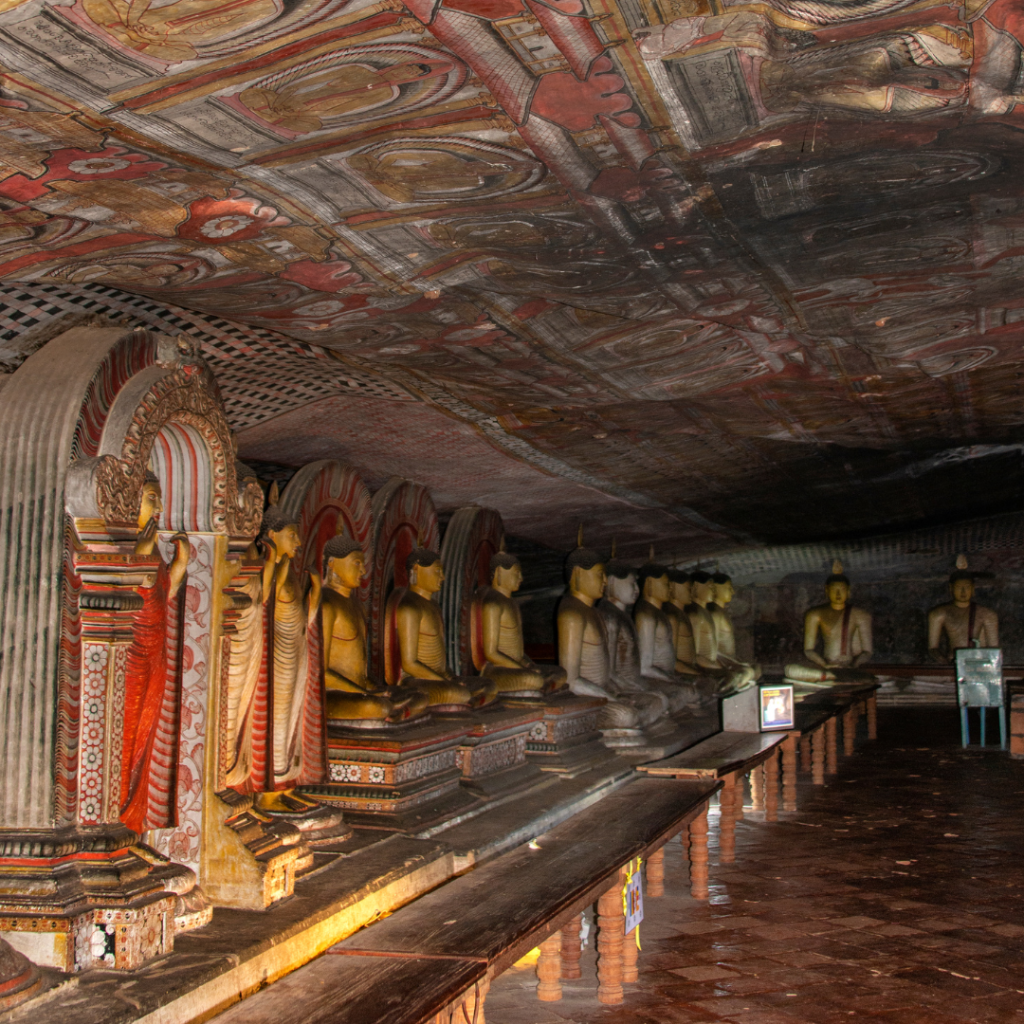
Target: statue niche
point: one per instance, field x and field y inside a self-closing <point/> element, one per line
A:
<point x="960" y="622"/>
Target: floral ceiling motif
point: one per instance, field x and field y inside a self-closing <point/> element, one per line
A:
<point x="743" y="263"/>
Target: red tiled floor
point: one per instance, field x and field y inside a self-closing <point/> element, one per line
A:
<point x="894" y="896"/>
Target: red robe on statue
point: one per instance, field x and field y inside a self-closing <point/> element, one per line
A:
<point x="151" y="709"/>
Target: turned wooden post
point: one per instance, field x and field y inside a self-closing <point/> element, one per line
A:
<point x="571" y="951"/>
<point x="850" y="731"/>
<point x="630" y="956"/>
<point x="789" y="751"/>
<point x="818" y="756"/>
<point x="698" y="847"/>
<point x="740" y="796"/>
<point x="549" y="969"/>
<point x="656" y="873"/>
<point x="805" y="753"/>
<point x="727" y="820"/>
<point x="771" y="787"/>
<point x="872" y="717"/>
<point x="684" y="840"/>
<point x="757" y="788"/>
<point x="831" y="745"/>
<point x="611" y="926"/>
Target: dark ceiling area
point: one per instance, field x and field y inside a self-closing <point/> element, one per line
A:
<point x="714" y="274"/>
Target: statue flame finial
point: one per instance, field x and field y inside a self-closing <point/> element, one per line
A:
<point x="837" y="567"/>
<point x="961" y="562"/>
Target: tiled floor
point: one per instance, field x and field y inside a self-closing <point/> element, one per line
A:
<point x="896" y="894"/>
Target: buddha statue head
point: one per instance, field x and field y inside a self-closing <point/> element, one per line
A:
<point x="623" y="589"/>
<point x="152" y="503"/>
<point x="344" y="563"/>
<point x="837" y="587"/>
<point x="506" y="572"/>
<point x="653" y="581"/>
<point x="724" y="590"/>
<point x="584" y="571"/>
<point x="679" y="587"/>
<point x="426" y="574"/>
<point x="702" y="588"/>
<point x="281" y="531"/>
<point x="961" y="584"/>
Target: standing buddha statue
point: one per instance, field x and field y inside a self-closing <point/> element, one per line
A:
<point x="845" y="633"/>
<point x="961" y="621"/>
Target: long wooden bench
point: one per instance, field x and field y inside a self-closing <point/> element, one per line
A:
<point x="444" y="948"/>
<point x="727" y="756"/>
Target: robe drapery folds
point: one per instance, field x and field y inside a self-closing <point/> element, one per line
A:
<point x="149" y="753"/>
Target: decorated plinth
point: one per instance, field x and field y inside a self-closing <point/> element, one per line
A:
<point x="397" y="778"/>
<point x="566" y="740"/>
<point x="493" y="758"/>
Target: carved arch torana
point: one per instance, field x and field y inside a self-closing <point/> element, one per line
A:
<point x="473" y="536"/>
<point x="403" y="513"/>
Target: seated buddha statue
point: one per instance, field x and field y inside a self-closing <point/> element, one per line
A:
<point x="656" y="638"/>
<point x="501" y="629"/>
<point x="420" y="634"/>
<point x="743" y="674"/>
<point x="621" y="592"/>
<point x="961" y="622"/>
<point x="845" y="633"/>
<point x="582" y="644"/>
<point x="351" y="696"/>
<point x="675" y="609"/>
<point x="728" y="679"/>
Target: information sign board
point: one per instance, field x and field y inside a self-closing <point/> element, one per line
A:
<point x="778" y="709"/>
<point x="979" y="677"/>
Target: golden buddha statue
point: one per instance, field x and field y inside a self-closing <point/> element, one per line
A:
<point x="656" y="638"/>
<point x="846" y="639"/>
<point x="702" y="624"/>
<point x="622" y="591"/>
<point x="501" y="628"/>
<point x="743" y="675"/>
<point x="350" y="694"/>
<point x="420" y="633"/>
<point x="675" y="608"/>
<point x="963" y="622"/>
<point x="583" y="644"/>
<point x="291" y="611"/>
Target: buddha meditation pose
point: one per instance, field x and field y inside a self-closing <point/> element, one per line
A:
<point x="846" y="639"/>
<point x="420" y="630"/>
<point x="675" y="608"/>
<point x="350" y="694"/>
<point x="743" y="675"/>
<point x="961" y="621"/>
<point x="501" y="625"/>
<point x="657" y="640"/>
<point x="150" y="744"/>
<point x="729" y="677"/>
<point x="582" y="643"/>
<point x="290" y="610"/>
<point x="625" y="678"/>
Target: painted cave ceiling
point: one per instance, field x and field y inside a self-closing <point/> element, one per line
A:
<point x="709" y="272"/>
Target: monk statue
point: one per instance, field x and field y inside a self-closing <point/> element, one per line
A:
<point x="743" y="674"/>
<point x="420" y="632"/>
<point x="291" y="611"/>
<point x="150" y="745"/>
<point x="730" y="678"/>
<point x="583" y="644"/>
<point x="846" y="639"/>
<point x="501" y="626"/>
<point x="657" y="640"/>
<point x="675" y="608"/>
<point x="961" y="621"/>
<point x="626" y="679"/>
<point x="351" y="696"/>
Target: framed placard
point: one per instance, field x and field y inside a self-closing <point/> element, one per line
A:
<point x="633" y="896"/>
<point x="778" y="708"/>
<point x="979" y="677"/>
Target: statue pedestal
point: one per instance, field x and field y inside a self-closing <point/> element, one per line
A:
<point x="401" y="779"/>
<point x="493" y="756"/>
<point x="77" y="899"/>
<point x="567" y="740"/>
